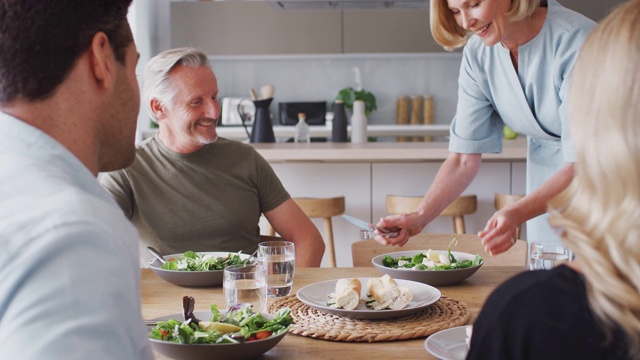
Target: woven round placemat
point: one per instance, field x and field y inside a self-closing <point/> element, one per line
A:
<point x="443" y="314"/>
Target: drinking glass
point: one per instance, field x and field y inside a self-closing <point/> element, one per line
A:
<point x="279" y="260"/>
<point x="245" y="284"/>
<point x="547" y="255"/>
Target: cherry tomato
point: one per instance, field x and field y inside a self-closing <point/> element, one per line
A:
<point x="262" y="335"/>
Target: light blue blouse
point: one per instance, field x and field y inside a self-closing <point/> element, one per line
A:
<point x="69" y="280"/>
<point x="531" y="102"/>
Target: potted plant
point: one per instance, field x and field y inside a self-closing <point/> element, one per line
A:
<point x="348" y="95"/>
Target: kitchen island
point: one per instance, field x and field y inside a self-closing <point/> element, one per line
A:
<point x="366" y="173"/>
<point x="379" y="152"/>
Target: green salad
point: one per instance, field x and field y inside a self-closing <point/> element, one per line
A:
<point x="193" y="261"/>
<point x="431" y="260"/>
<point x="231" y="327"/>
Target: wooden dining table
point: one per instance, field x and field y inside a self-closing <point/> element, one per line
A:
<point x="160" y="298"/>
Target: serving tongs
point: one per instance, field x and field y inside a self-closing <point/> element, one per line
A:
<point x="369" y="227"/>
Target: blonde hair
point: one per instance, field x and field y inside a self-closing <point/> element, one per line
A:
<point x="599" y="214"/>
<point x="450" y="35"/>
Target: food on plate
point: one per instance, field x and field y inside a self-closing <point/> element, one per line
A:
<point x="431" y="260"/>
<point x="193" y="261"/>
<point x="385" y="293"/>
<point x="232" y="327"/>
<point x="225" y="328"/>
<point x="347" y="294"/>
<point x="469" y="331"/>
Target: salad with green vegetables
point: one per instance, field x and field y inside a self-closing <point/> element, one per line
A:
<point x="431" y="260"/>
<point x="193" y="261"/>
<point x="233" y="327"/>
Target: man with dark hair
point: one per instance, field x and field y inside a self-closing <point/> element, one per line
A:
<point x="69" y="99"/>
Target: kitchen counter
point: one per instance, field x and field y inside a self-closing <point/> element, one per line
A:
<point x="372" y="152"/>
<point x="324" y="131"/>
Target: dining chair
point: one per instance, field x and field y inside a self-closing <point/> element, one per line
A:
<point x="463" y="205"/>
<point x="502" y="200"/>
<point x="324" y="208"/>
<point x="364" y="250"/>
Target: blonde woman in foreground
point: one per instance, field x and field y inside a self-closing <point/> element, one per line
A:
<point x="590" y="308"/>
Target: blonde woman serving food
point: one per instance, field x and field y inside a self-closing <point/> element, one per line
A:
<point x="588" y="308"/>
<point x="517" y="58"/>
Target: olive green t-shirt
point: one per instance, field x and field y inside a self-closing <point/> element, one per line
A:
<point x="208" y="200"/>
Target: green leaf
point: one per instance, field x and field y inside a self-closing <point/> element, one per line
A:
<point x="388" y="261"/>
<point x="169" y="265"/>
<point x="452" y="259"/>
<point x="417" y="258"/>
<point x="348" y="95"/>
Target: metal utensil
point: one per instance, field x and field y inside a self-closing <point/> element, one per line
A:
<point x="157" y="254"/>
<point x="365" y="225"/>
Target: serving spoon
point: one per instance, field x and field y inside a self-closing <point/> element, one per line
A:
<point x="157" y="254"/>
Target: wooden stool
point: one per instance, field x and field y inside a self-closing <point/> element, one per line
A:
<point x="324" y="208"/>
<point x="463" y="205"/>
<point x="502" y="200"/>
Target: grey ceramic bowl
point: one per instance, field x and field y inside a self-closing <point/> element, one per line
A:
<point x="430" y="277"/>
<point x="247" y="350"/>
<point x="191" y="278"/>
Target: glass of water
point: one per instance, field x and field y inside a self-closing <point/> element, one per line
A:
<point x="547" y="255"/>
<point x="245" y="284"/>
<point x="279" y="260"/>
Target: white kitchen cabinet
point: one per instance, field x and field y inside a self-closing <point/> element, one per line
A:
<point x="351" y="180"/>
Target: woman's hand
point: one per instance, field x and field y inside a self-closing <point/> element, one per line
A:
<point x="499" y="235"/>
<point x="406" y="225"/>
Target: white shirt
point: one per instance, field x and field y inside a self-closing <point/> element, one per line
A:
<point x="69" y="275"/>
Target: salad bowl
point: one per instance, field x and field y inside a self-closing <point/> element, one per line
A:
<point x="189" y="278"/>
<point x="239" y="351"/>
<point x="430" y="277"/>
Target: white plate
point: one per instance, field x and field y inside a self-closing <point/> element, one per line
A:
<point x="449" y="344"/>
<point x="316" y="295"/>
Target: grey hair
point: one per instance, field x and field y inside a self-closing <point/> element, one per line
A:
<point x="155" y="77"/>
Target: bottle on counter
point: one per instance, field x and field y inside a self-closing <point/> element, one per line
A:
<point x="358" y="123"/>
<point x="339" y="123"/>
<point x="303" y="134"/>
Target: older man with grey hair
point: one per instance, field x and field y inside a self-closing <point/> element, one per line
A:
<point x="189" y="189"/>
